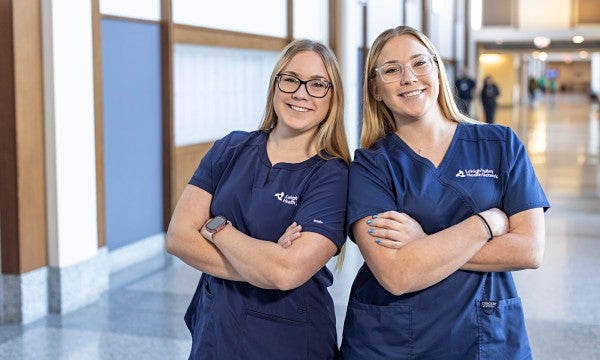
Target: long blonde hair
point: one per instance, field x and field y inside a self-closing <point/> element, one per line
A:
<point x="378" y="120"/>
<point x="331" y="135"/>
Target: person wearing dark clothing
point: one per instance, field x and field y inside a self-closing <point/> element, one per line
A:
<point x="422" y="189"/>
<point x="531" y="88"/>
<point x="252" y="195"/>
<point x="489" y="93"/>
<point x="465" y="86"/>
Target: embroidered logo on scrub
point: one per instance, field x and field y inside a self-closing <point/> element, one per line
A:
<point x="287" y="199"/>
<point x="489" y="306"/>
<point x="477" y="173"/>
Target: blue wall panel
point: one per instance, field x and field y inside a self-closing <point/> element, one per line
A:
<point x="131" y="71"/>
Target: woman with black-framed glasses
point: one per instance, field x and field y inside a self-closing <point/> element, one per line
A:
<point x="262" y="215"/>
<point x="289" y="84"/>
<point x="442" y="208"/>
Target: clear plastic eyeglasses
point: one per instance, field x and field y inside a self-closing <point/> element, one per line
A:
<point x="419" y="66"/>
<point x="316" y="88"/>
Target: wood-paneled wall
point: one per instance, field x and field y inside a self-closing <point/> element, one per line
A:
<point x="22" y="155"/>
<point x="185" y="162"/>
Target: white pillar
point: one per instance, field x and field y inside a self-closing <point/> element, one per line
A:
<point x="351" y="40"/>
<point x="595" y="73"/>
<point x="70" y="155"/>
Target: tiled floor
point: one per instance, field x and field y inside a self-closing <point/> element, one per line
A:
<point x="141" y="317"/>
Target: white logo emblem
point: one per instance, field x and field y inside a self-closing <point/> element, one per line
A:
<point x="287" y="199"/>
<point x="489" y="173"/>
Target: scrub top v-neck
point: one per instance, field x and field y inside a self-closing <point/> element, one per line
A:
<point x="230" y="319"/>
<point x="468" y="315"/>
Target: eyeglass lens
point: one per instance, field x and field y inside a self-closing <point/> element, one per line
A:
<point x="419" y="66"/>
<point x="315" y="87"/>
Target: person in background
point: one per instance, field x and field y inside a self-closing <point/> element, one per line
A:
<point x="542" y="84"/>
<point x="552" y="85"/>
<point x="442" y="208"/>
<point x="489" y="95"/>
<point x="532" y="86"/>
<point x="465" y="86"/>
<point x="263" y="214"/>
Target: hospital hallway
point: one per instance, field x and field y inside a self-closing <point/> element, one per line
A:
<point x="141" y="317"/>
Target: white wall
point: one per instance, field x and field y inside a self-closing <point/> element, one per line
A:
<point x="544" y="14"/>
<point x="136" y="9"/>
<point x="263" y="17"/>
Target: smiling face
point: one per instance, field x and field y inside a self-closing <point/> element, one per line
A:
<point x="412" y="97"/>
<point x="299" y="112"/>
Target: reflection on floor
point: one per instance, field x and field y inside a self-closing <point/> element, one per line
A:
<point x="142" y="316"/>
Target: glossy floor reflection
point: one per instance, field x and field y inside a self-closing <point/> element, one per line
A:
<point x="141" y="317"/>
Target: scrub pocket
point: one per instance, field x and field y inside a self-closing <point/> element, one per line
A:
<point x="199" y="319"/>
<point x="374" y="332"/>
<point x="502" y="330"/>
<point x="266" y="336"/>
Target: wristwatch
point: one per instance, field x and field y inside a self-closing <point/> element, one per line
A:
<point x="215" y="225"/>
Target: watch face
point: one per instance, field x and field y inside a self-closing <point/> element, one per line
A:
<point x="215" y="223"/>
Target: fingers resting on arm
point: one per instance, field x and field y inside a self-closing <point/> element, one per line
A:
<point x="393" y="229"/>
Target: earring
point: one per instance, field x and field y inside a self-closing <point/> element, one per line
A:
<point x="377" y="98"/>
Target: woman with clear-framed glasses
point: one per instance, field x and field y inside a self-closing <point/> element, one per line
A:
<point x="262" y="215"/>
<point x="442" y="208"/>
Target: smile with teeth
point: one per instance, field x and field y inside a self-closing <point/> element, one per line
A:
<point x="298" y="108"/>
<point x="411" y="94"/>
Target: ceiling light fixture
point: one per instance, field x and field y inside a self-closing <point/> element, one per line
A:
<point x="541" y="42"/>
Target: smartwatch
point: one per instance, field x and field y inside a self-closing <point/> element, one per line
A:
<point x="215" y="224"/>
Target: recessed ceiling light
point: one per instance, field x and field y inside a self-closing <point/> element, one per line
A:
<point x="541" y="42"/>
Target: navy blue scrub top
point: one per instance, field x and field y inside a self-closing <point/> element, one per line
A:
<point x="236" y="320"/>
<point x="468" y="315"/>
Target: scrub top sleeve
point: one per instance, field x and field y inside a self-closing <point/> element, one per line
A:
<point x="523" y="190"/>
<point x="322" y="207"/>
<point x="369" y="187"/>
<point x="215" y="161"/>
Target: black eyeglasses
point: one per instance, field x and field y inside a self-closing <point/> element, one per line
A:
<point x="316" y="88"/>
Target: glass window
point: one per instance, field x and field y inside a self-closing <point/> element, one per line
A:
<point x="414" y="14"/>
<point x="311" y="20"/>
<point x="382" y="15"/>
<point x="218" y="90"/>
<point x="443" y="27"/>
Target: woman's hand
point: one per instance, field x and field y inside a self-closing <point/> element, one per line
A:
<point x="292" y="233"/>
<point x="393" y="229"/>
